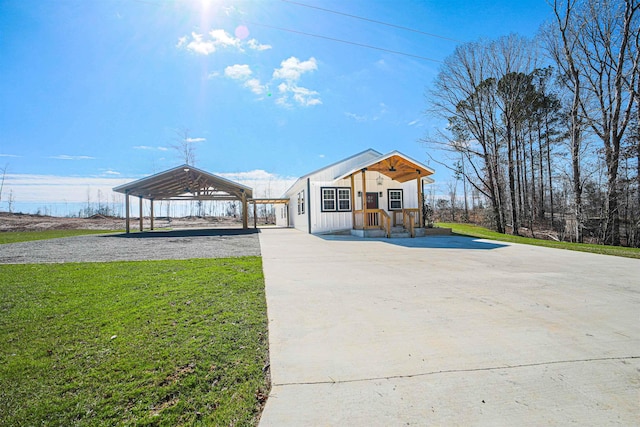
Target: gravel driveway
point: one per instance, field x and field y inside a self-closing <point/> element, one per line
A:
<point x="155" y="245"/>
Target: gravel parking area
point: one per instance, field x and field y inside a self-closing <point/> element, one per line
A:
<point x="153" y="245"/>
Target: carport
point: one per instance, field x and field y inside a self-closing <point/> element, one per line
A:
<point x="184" y="183"/>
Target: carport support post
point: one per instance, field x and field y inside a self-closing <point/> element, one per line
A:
<point x="151" y="214"/>
<point x="141" y="218"/>
<point x="245" y="215"/>
<point x="255" y="216"/>
<point x="127" y="216"/>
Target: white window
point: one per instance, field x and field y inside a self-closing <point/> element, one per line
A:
<point x="344" y="199"/>
<point x="336" y="199"/>
<point x="395" y="200"/>
<point x="328" y="199"/>
<point x="301" y="203"/>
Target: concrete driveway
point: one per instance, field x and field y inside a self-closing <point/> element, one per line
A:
<point x="448" y="331"/>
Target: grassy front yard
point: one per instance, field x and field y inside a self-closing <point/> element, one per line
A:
<point x="484" y="233"/>
<point x="135" y="343"/>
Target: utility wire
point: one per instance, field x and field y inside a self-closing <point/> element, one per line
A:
<point x="346" y="42"/>
<point x="372" y="20"/>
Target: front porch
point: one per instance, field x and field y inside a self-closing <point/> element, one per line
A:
<point x="398" y="220"/>
<point x="379" y="223"/>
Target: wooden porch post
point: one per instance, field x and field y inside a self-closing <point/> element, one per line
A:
<point x="127" y="216"/>
<point x="365" y="219"/>
<point x="420" y="201"/>
<point x="245" y="216"/>
<point x="151" y="214"/>
<point x="141" y="218"/>
<point x="255" y="215"/>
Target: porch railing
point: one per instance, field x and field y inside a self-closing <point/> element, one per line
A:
<point x="375" y="218"/>
<point x="410" y="220"/>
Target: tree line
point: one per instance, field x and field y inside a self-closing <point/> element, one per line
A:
<point x="547" y="130"/>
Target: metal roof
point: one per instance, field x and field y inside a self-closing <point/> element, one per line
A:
<point x="185" y="183"/>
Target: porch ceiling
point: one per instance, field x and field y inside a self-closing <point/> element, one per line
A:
<point x="396" y="166"/>
<point x="185" y="183"/>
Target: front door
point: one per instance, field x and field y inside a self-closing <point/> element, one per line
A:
<point x="372" y="200"/>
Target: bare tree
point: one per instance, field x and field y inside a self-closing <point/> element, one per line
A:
<point x="4" y="174"/>
<point x="598" y="50"/>
<point x="183" y="143"/>
<point x="463" y="94"/>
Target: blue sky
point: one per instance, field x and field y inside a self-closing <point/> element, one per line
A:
<point x="92" y="92"/>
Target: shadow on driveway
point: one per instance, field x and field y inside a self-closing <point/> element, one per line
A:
<point x="431" y="242"/>
<point x="196" y="232"/>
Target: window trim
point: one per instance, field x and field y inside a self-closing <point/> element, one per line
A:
<point x="301" y="203"/>
<point x="390" y="200"/>
<point x="336" y="199"/>
<point x="333" y="199"/>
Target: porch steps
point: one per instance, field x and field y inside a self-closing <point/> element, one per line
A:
<point x="400" y="232"/>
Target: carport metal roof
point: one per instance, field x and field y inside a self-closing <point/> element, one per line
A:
<point x="185" y="183"/>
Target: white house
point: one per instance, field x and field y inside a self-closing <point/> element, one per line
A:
<point x="369" y="193"/>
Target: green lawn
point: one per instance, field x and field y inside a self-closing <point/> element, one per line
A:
<point x="27" y="236"/>
<point x="477" y="231"/>
<point x="133" y="343"/>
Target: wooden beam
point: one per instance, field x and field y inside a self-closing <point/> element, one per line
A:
<point x="245" y="216"/>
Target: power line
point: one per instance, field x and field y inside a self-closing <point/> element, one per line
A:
<point x="346" y="42"/>
<point x="372" y="20"/>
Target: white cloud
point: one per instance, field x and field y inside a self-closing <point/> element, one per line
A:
<point x="263" y="183"/>
<point x="304" y="96"/>
<point x="148" y="147"/>
<point x="222" y="38"/>
<point x="356" y="117"/>
<point x="195" y="139"/>
<point x="55" y="189"/>
<point x="8" y="155"/>
<point x="206" y="44"/>
<point x="238" y="72"/>
<point x="292" y="68"/>
<point x="291" y="71"/>
<point x="198" y="44"/>
<point x="414" y="122"/>
<point x="255" y="45"/>
<point x="255" y="86"/>
<point x="66" y="157"/>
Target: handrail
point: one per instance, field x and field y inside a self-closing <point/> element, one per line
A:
<point x="386" y="222"/>
<point x="375" y="218"/>
<point x="412" y="230"/>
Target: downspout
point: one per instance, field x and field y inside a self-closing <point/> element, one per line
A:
<point x="309" y="203"/>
